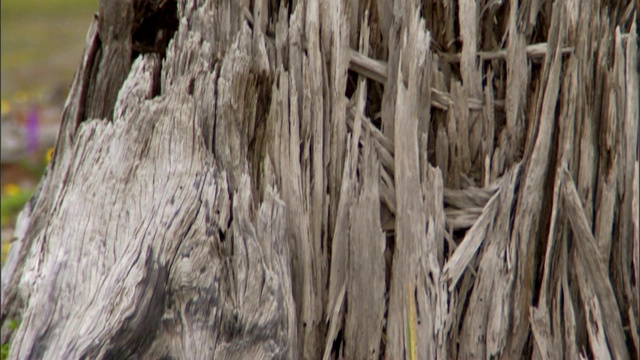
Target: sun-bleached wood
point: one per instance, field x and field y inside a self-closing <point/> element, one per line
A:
<point x="340" y="180"/>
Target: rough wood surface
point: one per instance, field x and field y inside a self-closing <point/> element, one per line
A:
<point x="339" y="180"/>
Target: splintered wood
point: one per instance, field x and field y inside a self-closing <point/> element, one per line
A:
<point x="341" y="180"/>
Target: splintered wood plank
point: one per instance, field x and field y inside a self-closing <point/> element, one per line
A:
<point x="468" y="13"/>
<point x="295" y="184"/>
<point x="552" y="343"/>
<point x="607" y="190"/>
<point x="535" y="52"/>
<point x="432" y="299"/>
<point x="595" y="286"/>
<point x="240" y="73"/>
<point x="113" y="59"/>
<point x="339" y="64"/>
<point x="340" y="178"/>
<point x="457" y="263"/>
<point x="454" y="139"/>
<point x="382" y="144"/>
<point x="385" y="12"/>
<point x="547" y="341"/>
<point x="587" y="122"/>
<point x="627" y="154"/>
<point x="313" y="116"/>
<point x="631" y="133"/>
<point x="283" y="124"/>
<point x="461" y="154"/>
<point x="343" y="237"/>
<point x="517" y="84"/>
<point x="366" y="276"/>
<point x="436" y="316"/>
<point x="631" y="177"/>
<point x="410" y="214"/>
<point x="74" y="108"/>
<point x="440" y="99"/>
<point x="340" y="254"/>
<point x="525" y="232"/>
<point x="394" y="27"/>
<point x="371" y="68"/>
<point x="488" y="130"/>
<point x="484" y="332"/>
<point x="442" y="152"/>
<point x="569" y="318"/>
<point x="469" y="21"/>
<point x="635" y="218"/>
<point x="433" y="192"/>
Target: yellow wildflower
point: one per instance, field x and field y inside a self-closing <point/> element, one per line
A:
<point x="6" y="246"/>
<point x="48" y="155"/>
<point x="6" y="107"/>
<point x="11" y="189"/>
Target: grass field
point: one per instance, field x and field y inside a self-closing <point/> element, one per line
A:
<point x="42" y="42"/>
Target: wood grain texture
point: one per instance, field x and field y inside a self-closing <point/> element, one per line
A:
<point x="340" y="180"/>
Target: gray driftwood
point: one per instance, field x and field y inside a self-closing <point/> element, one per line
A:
<point x="339" y="180"/>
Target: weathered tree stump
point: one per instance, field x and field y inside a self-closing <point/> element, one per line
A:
<point x="339" y="179"/>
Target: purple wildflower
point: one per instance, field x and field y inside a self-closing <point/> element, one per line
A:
<point x="32" y="134"/>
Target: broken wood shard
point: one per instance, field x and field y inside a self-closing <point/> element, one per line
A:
<point x="377" y="70"/>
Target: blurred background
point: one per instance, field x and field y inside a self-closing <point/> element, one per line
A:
<point x="42" y="43"/>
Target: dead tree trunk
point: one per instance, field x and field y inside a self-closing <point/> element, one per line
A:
<point x="339" y="179"/>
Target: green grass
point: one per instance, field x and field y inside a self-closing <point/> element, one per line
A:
<point x="13" y="201"/>
<point x="47" y="7"/>
<point x="42" y="42"/>
<point x="12" y="204"/>
<point x="4" y="349"/>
